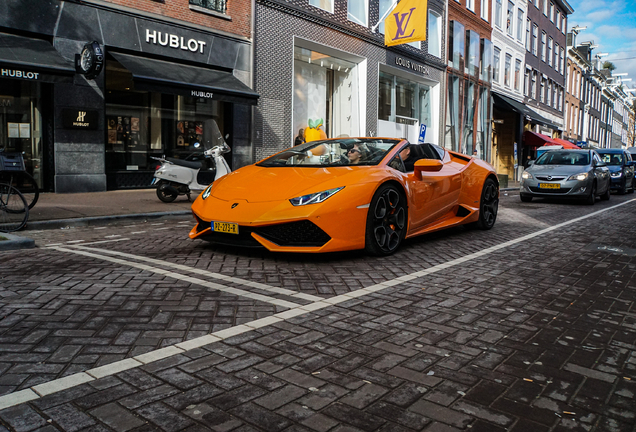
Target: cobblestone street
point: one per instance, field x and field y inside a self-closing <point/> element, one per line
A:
<point x="528" y="327"/>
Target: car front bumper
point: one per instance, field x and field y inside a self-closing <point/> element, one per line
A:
<point x="563" y="188"/>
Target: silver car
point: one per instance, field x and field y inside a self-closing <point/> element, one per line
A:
<point x="566" y="174"/>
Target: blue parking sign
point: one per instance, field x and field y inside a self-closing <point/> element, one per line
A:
<point x="420" y="140"/>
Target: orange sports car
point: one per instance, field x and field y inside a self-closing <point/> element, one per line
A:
<point x="347" y="193"/>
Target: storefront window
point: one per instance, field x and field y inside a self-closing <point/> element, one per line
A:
<point x="402" y="106"/>
<point x="451" y="135"/>
<point x="469" y="117"/>
<point x="483" y="125"/>
<point x="472" y="53"/>
<point x="141" y="125"/>
<point x="325" y="92"/>
<point x="21" y="124"/>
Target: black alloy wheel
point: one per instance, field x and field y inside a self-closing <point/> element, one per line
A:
<point x="166" y="193"/>
<point x="386" y="221"/>
<point x="489" y="205"/>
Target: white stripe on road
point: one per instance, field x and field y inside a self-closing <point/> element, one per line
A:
<point x="60" y="384"/>
<point x="167" y="264"/>
<point x="167" y="273"/>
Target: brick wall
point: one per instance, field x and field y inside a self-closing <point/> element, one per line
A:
<point x="237" y="20"/>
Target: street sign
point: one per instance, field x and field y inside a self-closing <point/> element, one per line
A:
<point x="420" y="140"/>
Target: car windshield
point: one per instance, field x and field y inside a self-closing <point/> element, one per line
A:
<point x="563" y="158"/>
<point x="336" y="152"/>
<point x="612" y="159"/>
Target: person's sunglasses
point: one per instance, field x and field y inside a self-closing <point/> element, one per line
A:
<point x="353" y="151"/>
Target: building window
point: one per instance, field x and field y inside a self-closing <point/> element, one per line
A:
<point x="510" y="17"/>
<point x="452" y="132"/>
<point x="543" y="37"/>
<point x="517" y="74"/>
<point x="486" y="60"/>
<point x="384" y="7"/>
<point x="542" y="91"/>
<point x="472" y="52"/>
<point x="551" y="12"/>
<point x="519" y="25"/>
<point x="561" y="61"/>
<point x="533" y="89"/>
<point x="456" y="45"/>
<point x="323" y="4"/>
<point x="528" y="40"/>
<point x="470" y="5"/>
<point x="484" y="9"/>
<point x="507" y="67"/>
<point x="535" y="39"/>
<point x="526" y="83"/>
<point x="434" y="33"/>
<point x="495" y="70"/>
<point x="548" y="93"/>
<point x="549" y="52"/>
<point x="557" y="19"/>
<point x="498" y="12"/>
<point x="215" y="5"/>
<point x="358" y="11"/>
<point x="545" y="7"/>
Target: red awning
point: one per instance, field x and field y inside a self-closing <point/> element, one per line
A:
<point x="565" y="144"/>
<point x="533" y="139"/>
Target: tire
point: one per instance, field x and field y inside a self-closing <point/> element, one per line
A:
<point x="386" y="221"/>
<point x="14" y="210"/>
<point x="591" y="198"/>
<point x="606" y="195"/>
<point x="25" y="183"/>
<point x="623" y="189"/>
<point x="166" y="193"/>
<point x="525" y="198"/>
<point x="631" y="189"/>
<point x="488" y="206"/>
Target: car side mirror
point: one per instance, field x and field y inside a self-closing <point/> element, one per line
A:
<point x="428" y="165"/>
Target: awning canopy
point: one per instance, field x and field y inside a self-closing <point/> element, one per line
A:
<point x="28" y="58"/>
<point x="186" y="80"/>
<point x="566" y="144"/>
<point x="533" y="139"/>
<point x="508" y="103"/>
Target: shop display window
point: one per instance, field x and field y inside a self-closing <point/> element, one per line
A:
<point x="21" y="124"/>
<point x="141" y="125"/>
<point x="326" y="95"/>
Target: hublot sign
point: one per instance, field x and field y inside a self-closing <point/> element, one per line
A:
<point x="411" y="65"/>
<point x="174" y="41"/>
<point x="79" y="119"/>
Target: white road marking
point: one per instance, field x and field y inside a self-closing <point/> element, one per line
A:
<point x="97" y="242"/>
<point x="100" y="228"/>
<point x="138" y="232"/>
<point x="16" y="398"/>
<point x="75" y="241"/>
<point x="166" y="264"/>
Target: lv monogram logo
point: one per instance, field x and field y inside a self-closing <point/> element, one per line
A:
<point x="402" y="26"/>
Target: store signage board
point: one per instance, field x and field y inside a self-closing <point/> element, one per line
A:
<point x="19" y="74"/>
<point x="174" y="41"/>
<point x="79" y="119"/>
<point x="408" y="64"/>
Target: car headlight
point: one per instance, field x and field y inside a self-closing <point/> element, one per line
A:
<point x="579" y="177"/>
<point x="314" y="198"/>
<point x="206" y="192"/>
<point x="616" y="174"/>
<point x="526" y="175"/>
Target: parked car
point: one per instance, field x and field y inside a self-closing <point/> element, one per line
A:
<point x="347" y="193"/>
<point x="621" y="168"/>
<point x="578" y="174"/>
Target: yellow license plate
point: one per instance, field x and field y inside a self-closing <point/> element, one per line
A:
<point x="225" y="227"/>
<point x="549" y="186"/>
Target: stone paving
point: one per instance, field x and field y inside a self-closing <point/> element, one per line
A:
<point x="537" y="336"/>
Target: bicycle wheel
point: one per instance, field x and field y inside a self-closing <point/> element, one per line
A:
<point x="25" y="183"/>
<point x="14" y="211"/>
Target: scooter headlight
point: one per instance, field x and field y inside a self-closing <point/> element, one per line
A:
<point x="206" y="192"/>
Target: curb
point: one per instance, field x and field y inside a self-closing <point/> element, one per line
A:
<point x="15" y="242"/>
<point x="94" y="220"/>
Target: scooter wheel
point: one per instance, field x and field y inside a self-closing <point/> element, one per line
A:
<point x="167" y="193"/>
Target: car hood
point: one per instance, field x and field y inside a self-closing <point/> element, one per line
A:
<point x="260" y="184"/>
<point x="558" y="169"/>
<point x="615" y="168"/>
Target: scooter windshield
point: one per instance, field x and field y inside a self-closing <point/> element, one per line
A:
<point x="212" y="135"/>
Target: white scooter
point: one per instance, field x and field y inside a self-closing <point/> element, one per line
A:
<point x="180" y="177"/>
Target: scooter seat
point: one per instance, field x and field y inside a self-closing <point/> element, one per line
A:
<point x="188" y="164"/>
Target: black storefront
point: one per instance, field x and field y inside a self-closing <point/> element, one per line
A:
<point x="161" y="85"/>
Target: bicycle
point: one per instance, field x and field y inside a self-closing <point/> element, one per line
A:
<point x="13" y="172"/>
<point x="14" y="210"/>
